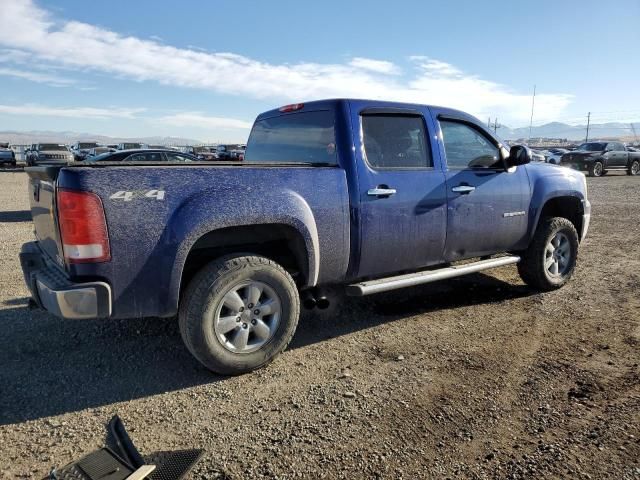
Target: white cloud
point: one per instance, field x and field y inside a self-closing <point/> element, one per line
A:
<point x="378" y="66"/>
<point x="25" y="27"/>
<point x="199" y="120"/>
<point x="70" y="112"/>
<point x="52" y="80"/>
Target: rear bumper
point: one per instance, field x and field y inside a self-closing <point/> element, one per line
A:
<point x="53" y="291"/>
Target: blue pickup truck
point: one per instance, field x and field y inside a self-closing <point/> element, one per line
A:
<point x="369" y="195"/>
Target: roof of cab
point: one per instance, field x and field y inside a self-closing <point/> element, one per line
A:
<point x="331" y="104"/>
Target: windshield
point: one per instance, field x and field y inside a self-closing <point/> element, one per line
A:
<point x="52" y="146"/>
<point x="201" y="150"/>
<point x="83" y="146"/>
<point x="130" y="146"/>
<point x="591" y="147"/>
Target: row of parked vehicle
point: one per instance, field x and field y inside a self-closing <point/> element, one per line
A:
<point x="53" y="153"/>
<point x="7" y="156"/>
<point x="595" y="158"/>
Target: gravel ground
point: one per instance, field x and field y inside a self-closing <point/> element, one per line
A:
<point x="479" y="377"/>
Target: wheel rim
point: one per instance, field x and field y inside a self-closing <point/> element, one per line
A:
<point x="247" y="317"/>
<point x="557" y="255"/>
<point x="635" y="168"/>
<point x="597" y="169"/>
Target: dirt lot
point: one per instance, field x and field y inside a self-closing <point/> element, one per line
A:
<point x="474" y="378"/>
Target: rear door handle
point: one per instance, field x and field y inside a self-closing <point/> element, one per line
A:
<point x="381" y="192"/>
<point x="463" y="189"/>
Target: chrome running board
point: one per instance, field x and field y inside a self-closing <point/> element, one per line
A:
<point x="392" y="283"/>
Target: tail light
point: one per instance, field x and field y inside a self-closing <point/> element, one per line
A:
<point x="291" y="108"/>
<point x="83" y="227"/>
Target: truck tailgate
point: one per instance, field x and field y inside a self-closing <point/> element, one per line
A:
<point x="42" y="194"/>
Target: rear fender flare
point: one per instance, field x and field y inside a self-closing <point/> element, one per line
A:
<point x="196" y="218"/>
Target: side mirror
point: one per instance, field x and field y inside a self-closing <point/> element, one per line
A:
<point x="518" y="155"/>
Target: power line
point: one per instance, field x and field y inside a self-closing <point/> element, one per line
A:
<point x="533" y="102"/>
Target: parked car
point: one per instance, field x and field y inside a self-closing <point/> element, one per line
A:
<point x="7" y="156"/>
<point x="369" y="196"/>
<point x="48" y="154"/>
<point x="80" y="150"/>
<point x="598" y="158"/>
<point x="94" y="152"/>
<point x="143" y="155"/>
<point x="555" y="154"/>
<point x="129" y="146"/>
<point x="201" y="153"/>
<point x="537" y="156"/>
<point x="226" y="152"/>
<point x="238" y="153"/>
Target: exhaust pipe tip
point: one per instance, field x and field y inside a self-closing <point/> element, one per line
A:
<point x="308" y="301"/>
<point x="323" y="303"/>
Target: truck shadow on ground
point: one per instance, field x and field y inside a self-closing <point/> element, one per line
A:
<point x="52" y="366"/>
<point x="347" y="315"/>
<point x="15" y="216"/>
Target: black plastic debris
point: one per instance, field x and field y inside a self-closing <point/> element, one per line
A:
<point x="123" y="461"/>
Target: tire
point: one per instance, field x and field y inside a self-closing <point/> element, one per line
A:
<point x="634" y="168"/>
<point x="536" y="266"/>
<point x="224" y="289"/>
<point x="596" y="169"/>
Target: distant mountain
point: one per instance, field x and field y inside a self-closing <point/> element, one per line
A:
<point x="26" y="138"/>
<point x="572" y="132"/>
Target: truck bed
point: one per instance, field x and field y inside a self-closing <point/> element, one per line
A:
<point x="154" y="213"/>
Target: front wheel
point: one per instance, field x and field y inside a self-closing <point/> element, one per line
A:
<point x="551" y="258"/>
<point x="634" y="168"/>
<point x="596" y="169"/>
<point x="238" y="313"/>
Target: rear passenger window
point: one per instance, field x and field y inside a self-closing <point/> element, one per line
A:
<point x="466" y="147"/>
<point x="303" y="137"/>
<point x="395" y="141"/>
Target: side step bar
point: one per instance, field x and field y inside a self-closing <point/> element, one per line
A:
<point x="392" y="283"/>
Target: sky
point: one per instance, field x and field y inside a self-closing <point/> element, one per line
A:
<point x="204" y="70"/>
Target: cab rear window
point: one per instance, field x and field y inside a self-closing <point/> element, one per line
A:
<point x="302" y="137"/>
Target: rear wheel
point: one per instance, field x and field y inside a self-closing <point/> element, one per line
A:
<point x="596" y="169"/>
<point x="634" y="168"/>
<point x="238" y="313"/>
<point x="551" y="258"/>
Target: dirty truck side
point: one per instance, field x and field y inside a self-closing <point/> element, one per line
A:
<point x="369" y="195"/>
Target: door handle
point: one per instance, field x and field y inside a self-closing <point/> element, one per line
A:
<point x="463" y="189"/>
<point x="381" y="192"/>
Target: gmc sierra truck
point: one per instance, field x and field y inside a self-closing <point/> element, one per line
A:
<point x="368" y="195"/>
<point x="598" y="158"/>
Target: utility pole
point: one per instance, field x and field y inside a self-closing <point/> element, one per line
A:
<point x="496" y="125"/>
<point x="588" y="123"/>
<point x="633" y="129"/>
<point x="533" y="102"/>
